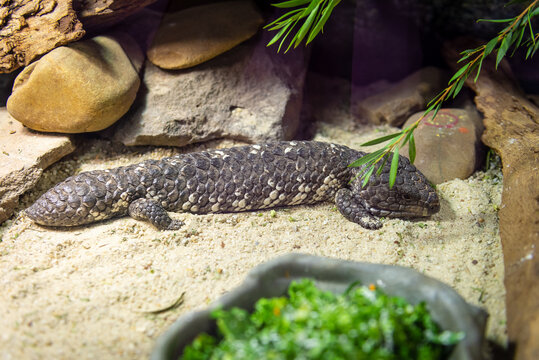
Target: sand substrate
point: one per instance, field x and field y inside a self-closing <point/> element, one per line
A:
<point x="85" y="292"/>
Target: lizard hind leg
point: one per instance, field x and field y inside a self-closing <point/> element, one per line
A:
<point x="150" y="210"/>
<point x="353" y="208"/>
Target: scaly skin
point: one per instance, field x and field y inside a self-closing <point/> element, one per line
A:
<point x="237" y="179"/>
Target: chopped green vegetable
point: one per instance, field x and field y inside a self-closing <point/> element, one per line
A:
<point x="362" y="323"/>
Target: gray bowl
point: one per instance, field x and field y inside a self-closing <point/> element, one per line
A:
<point x="272" y="279"/>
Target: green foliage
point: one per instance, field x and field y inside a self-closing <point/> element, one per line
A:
<point x="315" y="13"/>
<point x="518" y="28"/>
<point x="518" y="33"/>
<point x="362" y="323"/>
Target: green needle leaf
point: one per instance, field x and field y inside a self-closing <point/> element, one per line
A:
<point x="459" y="72"/>
<point x="506" y="42"/>
<point x="411" y="148"/>
<point x="280" y="21"/>
<point x="490" y="46"/>
<point x="367" y="158"/>
<point x="381" y="167"/>
<point x="367" y="176"/>
<point x="478" y="70"/>
<point x="394" y="167"/>
<point x="531" y="29"/>
<point x="320" y="24"/>
<point x="306" y="26"/>
<point x="496" y="20"/>
<point x="291" y="3"/>
<point x="381" y="139"/>
<point x="520" y="36"/>
<point x="459" y="86"/>
<point x="279" y="35"/>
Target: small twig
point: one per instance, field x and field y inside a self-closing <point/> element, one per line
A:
<point x="173" y="306"/>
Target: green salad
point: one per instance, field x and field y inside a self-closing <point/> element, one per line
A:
<point x="362" y="323"/>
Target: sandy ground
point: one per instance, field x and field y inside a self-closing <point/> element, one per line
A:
<point x="84" y="292"/>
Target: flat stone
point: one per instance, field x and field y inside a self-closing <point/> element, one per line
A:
<point x="512" y="130"/>
<point x="249" y="93"/>
<point x="23" y="155"/>
<point x="83" y="87"/>
<point x="400" y="100"/>
<point x="448" y="147"/>
<point x="190" y="37"/>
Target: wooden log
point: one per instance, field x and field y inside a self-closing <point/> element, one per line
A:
<point x="512" y="130"/>
<point x="96" y="14"/>
<point x="30" y="28"/>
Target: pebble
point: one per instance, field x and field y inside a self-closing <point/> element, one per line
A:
<point x="83" y="87"/>
<point x="448" y="147"/>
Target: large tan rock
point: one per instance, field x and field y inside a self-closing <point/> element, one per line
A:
<point x="512" y="130"/>
<point x="189" y="37"/>
<point x="29" y="29"/>
<point x="83" y="87"/>
<point x="23" y="155"/>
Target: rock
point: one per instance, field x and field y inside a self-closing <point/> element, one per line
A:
<point x="448" y="147"/>
<point x="23" y="155"/>
<point x="192" y="36"/>
<point x="29" y="29"/>
<point x="394" y="105"/>
<point x="249" y="93"/>
<point x="82" y="87"/>
<point x="95" y="14"/>
<point x="512" y="130"/>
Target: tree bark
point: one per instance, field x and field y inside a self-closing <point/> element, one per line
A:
<point x="30" y="28"/>
<point x="100" y="13"/>
<point x="512" y="130"/>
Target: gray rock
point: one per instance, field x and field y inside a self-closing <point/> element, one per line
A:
<point x="23" y="155"/>
<point x="249" y="93"/>
<point x="449" y="146"/>
<point x="400" y="100"/>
